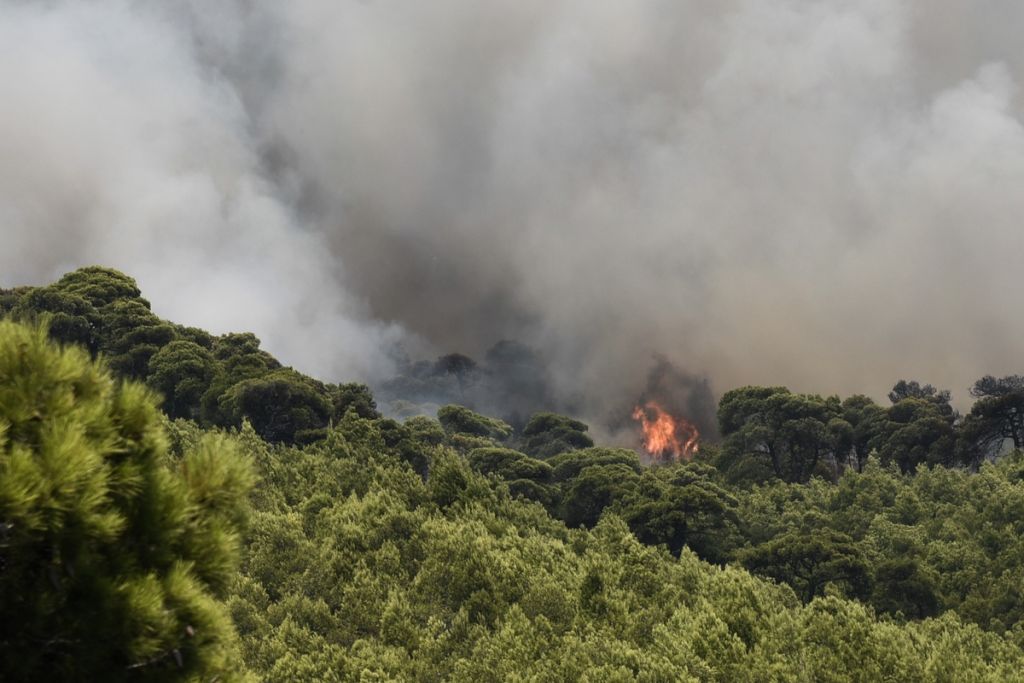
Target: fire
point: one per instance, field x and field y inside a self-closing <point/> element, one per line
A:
<point x="666" y="436"/>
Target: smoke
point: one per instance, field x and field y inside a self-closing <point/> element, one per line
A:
<point x="512" y="382"/>
<point x="683" y="394"/>
<point x="119" y="146"/>
<point x="824" y="195"/>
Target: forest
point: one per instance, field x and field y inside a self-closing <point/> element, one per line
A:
<point x="181" y="506"/>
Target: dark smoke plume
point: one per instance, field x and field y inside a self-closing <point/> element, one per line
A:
<point x="511" y="383"/>
<point x="683" y="394"/>
<point x="825" y="195"/>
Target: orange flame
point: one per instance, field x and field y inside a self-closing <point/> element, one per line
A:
<point x="664" y="435"/>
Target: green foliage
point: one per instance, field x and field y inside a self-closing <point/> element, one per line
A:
<point x="917" y="431"/>
<point x="196" y="336"/>
<point x="796" y="435"/>
<point x="508" y="464"/>
<point x="425" y="430"/>
<point x="867" y="420"/>
<point x="548" y="434"/>
<point x="360" y="570"/>
<point x="202" y="377"/>
<point x="131" y="334"/>
<point x="459" y="420"/>
<point x="526" y="477"/>
<point x="903" y="390"/>
<point x="100" y="286"/>
<point x="594" y="489"/>
<point x="903" y="586"/>
<point x="683" y="506"/>
<point x="113" y="554"/>
<point x="569" y="465"/>
<point x="9" y="298"/>
<point x="239" y="359"/>
<point x="281" y="406"/>
<point x="355" y="397"/>
<point x="406" y="443"/>
<point x="811" y="561"/>
<point x="996" y="417"/>
<point x="417" y="550"/>
<point x="771" y="432"/>
<point x="939" y="540"/>
<point x="181" y="372"/>
<point x="103" y="310"/>
<point x="70" y="318"/>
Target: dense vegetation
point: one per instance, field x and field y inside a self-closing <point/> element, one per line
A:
<point x="822" y="539"/>
<point x="114" y="555"/>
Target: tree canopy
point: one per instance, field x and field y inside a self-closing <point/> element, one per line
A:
<point x="822" y="539"/>
<point x="114" y="555"/>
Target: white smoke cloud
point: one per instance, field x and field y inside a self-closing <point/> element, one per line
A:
<point x="120" y="147"/>
<point x="820" y="194"/>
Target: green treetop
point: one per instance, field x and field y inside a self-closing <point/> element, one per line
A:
<point x="113" y="554"/>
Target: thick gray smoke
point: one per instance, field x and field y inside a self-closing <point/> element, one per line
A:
<point x="827" y="195"/>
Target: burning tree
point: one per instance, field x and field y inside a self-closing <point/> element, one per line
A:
<point x="666" y="436"/>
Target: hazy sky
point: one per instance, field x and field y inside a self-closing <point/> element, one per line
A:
<point x="827" y="195"/>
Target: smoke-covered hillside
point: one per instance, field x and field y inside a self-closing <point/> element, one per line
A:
<point x="760" y="191"/>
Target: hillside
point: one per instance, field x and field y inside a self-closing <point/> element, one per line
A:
<point x="272" y="526"/>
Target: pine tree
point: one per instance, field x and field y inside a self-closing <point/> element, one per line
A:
<point x="114" y="555"/>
